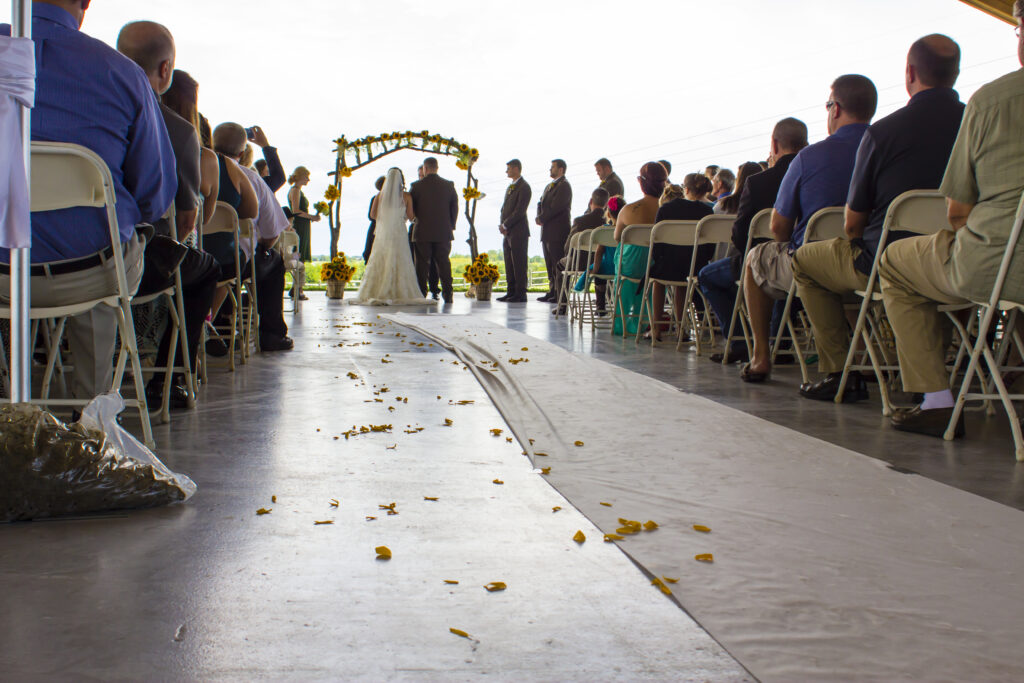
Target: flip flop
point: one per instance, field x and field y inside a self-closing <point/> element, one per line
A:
<point x="753" y="377"/>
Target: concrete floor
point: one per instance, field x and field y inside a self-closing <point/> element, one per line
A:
<point x="210" y="591"/>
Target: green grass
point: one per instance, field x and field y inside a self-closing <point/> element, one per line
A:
<point x="459" y="263"/>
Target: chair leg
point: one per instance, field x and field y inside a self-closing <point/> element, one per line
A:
<point x="186" y="360"/>
<point x="124" y="321"/>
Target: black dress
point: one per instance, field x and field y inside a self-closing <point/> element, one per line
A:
<point x="670" y="261"/>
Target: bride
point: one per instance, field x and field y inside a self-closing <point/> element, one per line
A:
<point x="390" y="276"/>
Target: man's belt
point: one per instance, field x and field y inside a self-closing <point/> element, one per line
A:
<point x="65" y="267"/>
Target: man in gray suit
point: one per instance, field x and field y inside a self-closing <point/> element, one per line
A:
<point x="515" y="226"/>
<point x="436" y="205"/>
<point x="554" y="219"/>
<point x="610" y="181"/>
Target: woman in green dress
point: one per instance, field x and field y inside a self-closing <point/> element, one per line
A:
<point x="299" y="206"/>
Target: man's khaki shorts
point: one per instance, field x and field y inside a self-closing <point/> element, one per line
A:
<point x="772" y="267"/>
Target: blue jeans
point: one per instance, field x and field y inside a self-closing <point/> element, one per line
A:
<point x="719" y="287"/>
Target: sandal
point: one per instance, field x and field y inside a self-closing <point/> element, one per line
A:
<point x="753" y="377"/>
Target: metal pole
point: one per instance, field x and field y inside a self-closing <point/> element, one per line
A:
<point x="21" y="362"/>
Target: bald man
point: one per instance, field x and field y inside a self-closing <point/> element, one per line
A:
<point x="907" y="150"/>
<point x="151" y="46"/>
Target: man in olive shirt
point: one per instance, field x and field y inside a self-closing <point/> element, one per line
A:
<point x="907" y="150"/>
<point x="983" y="185"/>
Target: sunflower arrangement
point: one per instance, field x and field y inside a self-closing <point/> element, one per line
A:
<point x="471" y="193"/>
<point x="466" y="156"/>
<point x="337" y="269"/>
<point x="332" y="194"/>
<point x="481" y="270"/>
<point x="322" y="208"/>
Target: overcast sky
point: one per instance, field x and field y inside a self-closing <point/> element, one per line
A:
<point x="691" y="82"/>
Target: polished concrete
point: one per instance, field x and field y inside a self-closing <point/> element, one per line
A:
<point x="210" y="590"/>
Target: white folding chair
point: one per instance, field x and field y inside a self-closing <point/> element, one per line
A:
<point x="922" y="212"/>
<point x="825" y="224"/>
<point x="66" y="176"/>
<point x="250" y="303"/>
<point x="996" y="305"/>
<point x="599" y="237"/>
<point x="671" y="233"/>
<point x="225" y="220"/>
<point x="638" y="236"/>
<point x="760" y="229"/>
<point x="567" y="291"/>
<point x="715" y="229"/>
<point x="288" y="244"/>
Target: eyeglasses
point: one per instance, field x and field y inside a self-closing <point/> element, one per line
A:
<point x="830" y="104"/>
<point x="1016" y="31"/>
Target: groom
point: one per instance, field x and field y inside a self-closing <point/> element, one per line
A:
<point x="436" y="205"/>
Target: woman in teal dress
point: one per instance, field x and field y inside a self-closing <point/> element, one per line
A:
<point x="299" y="206"/>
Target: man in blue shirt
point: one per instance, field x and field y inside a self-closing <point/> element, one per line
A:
<point x="817" y="178"/>
<point x="907" y="150"/>
<point x="88" y="94"/>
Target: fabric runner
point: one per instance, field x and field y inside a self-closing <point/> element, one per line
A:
<point x="828" y="565"/>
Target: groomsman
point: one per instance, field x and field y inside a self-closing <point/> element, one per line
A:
<point x="515" y="226"/>
<point x="610" y="181"/>
<point x="553" y="217"/>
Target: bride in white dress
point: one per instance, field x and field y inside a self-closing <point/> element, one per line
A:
<point x="390" y="276"/>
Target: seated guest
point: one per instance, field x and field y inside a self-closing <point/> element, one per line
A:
<point x="229" y="142"/>
<point x="907" y="150"/>
<point x="983" y="185"/>
<point x="711" y="170"/>
<point x="246" y="159"/>
<point x="818" y="177"/>
<point x="668" y="169"/>
<point x="731" y="202"/>
<point x="718" y="280"/>
<point x="604" y="257"/>
<point x="672" y="262"/>
<point x="182" y="98"/>
<point x="151" y="46"/>
<point x="261" y="167"/>
<point x="722" y="184"/>
<point x="701" y="188"/>
<point x="115" y="114"/>
<point x="610" y="181"/>
<point x="593" y="218"/>
<point x="632" y="262"/>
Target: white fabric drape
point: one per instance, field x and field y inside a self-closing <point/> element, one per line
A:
<point x="17" y="87"/>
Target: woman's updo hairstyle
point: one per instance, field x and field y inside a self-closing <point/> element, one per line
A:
<point x="671" y="192"/>
<point x="300" y="172"/>
<point x="697" y="184"/>
<point x="653" y="177"/>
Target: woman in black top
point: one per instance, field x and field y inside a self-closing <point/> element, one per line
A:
<point x="672" y="262"/>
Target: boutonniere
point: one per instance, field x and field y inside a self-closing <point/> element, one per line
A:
<point x="511" y="189"/>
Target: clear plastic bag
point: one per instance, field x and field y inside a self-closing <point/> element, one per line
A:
<point x="49" y="469"/>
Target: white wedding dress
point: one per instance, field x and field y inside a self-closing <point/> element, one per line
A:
<point x="390" y="276"/>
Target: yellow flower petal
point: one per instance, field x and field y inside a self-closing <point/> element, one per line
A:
<point x="577" y="443"/>
<point x="607" y="505"/>
<point x="335" y="502"/>
<point x="661" y="586"/>
<point x="326" y="521"/>
<point x="383" y="552"/>
<point x="499" y="482"/>
<point x="429" y="498"/>
<point x="508" y="439"/>
<point x="496" y="432"/>
<point x="556" y="508"/>
<point x="670" y="580"/>
<point x="701" y="528"/>
<point x="579" y="536"/>
<point x="460" y="633"/>
<point x="704" y="557"/>
<point x="447" y="422"/>
<point x="608" y="538"/>
<point x="451" y="582"/>
<point x="495" y="586"/>
<point x="545" y="470"/>
<point x="273" y="499"/>
<point x="650" y="526"/>
<point x="264" y="511"/>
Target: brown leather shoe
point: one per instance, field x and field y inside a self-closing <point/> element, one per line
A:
<point x="928" y="422"/>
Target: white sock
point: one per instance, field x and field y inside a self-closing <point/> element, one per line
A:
<point x="938" y="399"/>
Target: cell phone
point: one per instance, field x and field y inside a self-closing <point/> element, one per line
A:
<point x="250" y="132"/>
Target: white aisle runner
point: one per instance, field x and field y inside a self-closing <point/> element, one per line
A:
<point x="828" y="565"/>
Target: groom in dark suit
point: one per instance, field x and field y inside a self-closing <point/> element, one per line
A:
<point x="554" y="219"/>
<point x="436" y="205"/>
<point x="515" y="226"/>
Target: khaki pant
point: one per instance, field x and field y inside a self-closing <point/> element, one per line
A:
<point x="772" y="268"/>
<point x="826" y="279"/>
<point x="914" y="284"/>
<point x="92" y="336"/>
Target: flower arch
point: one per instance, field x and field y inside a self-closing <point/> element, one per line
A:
<point x="355" y="154"/>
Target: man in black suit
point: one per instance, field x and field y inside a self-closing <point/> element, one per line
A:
<point x="436" y="205"/>
<point x="610" y="181"/>
<point x="718" y="279"/>
<point x="515" y="226"/>
<point x="593" y="218"/>
<point x="553" y="217"/>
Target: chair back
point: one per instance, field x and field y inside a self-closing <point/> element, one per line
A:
<point x="760" y="227"/>
<point x="245" y="228"/>
<point x="715" y="229"/>
<point x="224" y="219"/>
<point x="920" y="211"/>
<point x="603" y="237"/>
<point x="637" y="235"/>
<point x="679" y="233"/>
<point x="289" y="242"/>
<point x="1011" y="250"/>
<point x="826" y="224"/>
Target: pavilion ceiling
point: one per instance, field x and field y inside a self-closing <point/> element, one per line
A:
<point x="1001" y="9"/>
